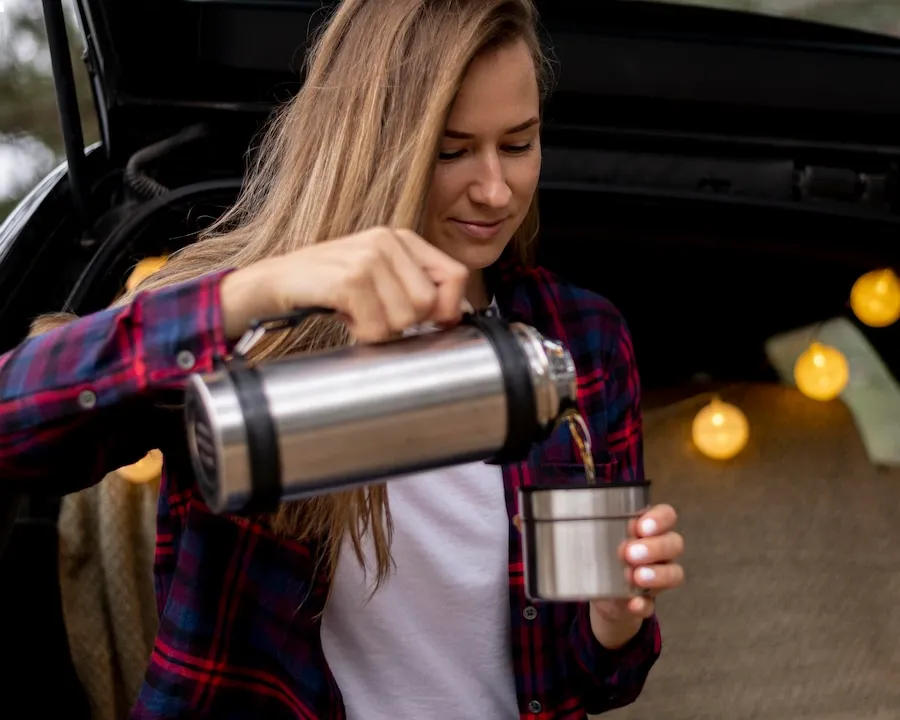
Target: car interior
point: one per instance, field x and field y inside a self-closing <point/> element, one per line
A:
<point x="720" y="176"/>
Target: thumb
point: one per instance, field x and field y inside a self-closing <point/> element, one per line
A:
<point x="517" y="521"/>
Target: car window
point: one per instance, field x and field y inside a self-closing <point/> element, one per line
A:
<point x="875" y="16"/>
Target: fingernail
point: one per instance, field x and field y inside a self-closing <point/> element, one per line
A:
<point x="637" y="552"/>
<point x="645" y="574"/>
<point x="648" y="526"/>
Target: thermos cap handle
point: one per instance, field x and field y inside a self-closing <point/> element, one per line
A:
<point x="273" y="323"/>
<point x="259" y="327"/>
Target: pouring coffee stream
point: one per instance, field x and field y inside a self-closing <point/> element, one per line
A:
<point x="581" y="436"/>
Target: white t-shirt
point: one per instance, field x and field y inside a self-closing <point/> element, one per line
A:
<point x="434" y="641"/>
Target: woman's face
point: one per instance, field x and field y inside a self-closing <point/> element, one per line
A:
<point x="490" y="159"/>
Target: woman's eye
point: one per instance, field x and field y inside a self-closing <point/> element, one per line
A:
<point x="514" y="149"/>
<point x="511" y="149"/>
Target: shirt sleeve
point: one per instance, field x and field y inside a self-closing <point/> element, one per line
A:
<point x="612" y="678"/>
<point x="615" y="678"/>
<point x="86" y="398"/>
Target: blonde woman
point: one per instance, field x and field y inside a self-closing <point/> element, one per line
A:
<point x="397" y="185"/>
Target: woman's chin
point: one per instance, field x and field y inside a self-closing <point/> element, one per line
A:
<point x="477" y="256"/>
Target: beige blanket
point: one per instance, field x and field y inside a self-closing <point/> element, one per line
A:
<point x="106" y="546"/>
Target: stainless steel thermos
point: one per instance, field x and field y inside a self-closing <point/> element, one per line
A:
<point x="306" y="425"/>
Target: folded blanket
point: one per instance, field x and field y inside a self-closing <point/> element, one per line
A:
<point x="106" y="546"/>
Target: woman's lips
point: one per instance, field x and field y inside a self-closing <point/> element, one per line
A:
<point x="479" y="230"/>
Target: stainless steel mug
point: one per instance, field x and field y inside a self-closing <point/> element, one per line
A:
<point x="300" y="426"/>
<point x="571" y="535"/>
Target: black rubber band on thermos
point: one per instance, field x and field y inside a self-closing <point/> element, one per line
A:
<point x="262" y="441"/>
<point x="520" y="406"/>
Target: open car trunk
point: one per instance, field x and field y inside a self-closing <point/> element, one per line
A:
<point x="720" y="176"/>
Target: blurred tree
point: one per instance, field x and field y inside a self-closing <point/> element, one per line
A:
<point x="29" y="119"/>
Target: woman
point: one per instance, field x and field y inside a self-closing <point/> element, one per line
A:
<point x="413" y="149"/>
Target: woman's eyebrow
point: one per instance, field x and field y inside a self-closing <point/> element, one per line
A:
<point x="459" y="135"/>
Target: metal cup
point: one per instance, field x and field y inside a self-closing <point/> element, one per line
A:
<point x="571" y="537"/>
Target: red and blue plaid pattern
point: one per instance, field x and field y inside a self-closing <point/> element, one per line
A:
<point x="239" y="607"/>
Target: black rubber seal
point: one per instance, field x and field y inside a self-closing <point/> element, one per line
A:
<point x="521" y="430"/>
<point x="262" y="441"/>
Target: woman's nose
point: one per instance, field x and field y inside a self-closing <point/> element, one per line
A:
<point x="490" y="187"/>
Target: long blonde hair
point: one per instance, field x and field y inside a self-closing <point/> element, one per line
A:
<point x="355" y="148"/>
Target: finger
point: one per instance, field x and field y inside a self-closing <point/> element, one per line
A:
<point x="420" y="290"/>
<point x="398" y="307"/>
<point x="641" y="606"/>
<point x="656" y="521"/>
<point x="349" y="288"/>
<point x="449" y="275"/>
<point x="517" y="521"/>
<point x="658" y="577"/>
<point x="465" y="307"/>
<point x="398" y="310"/>
<point x="659" y="549"/>
<point x="368" y="321"/>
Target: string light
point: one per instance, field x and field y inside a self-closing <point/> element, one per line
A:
<point x="821" y="372"/>
<point x="875" y="298"/>
<point x="150" y="466"/>
<point x="720" y="430"/>
<point x="144" y="269"/>
<point x="144" y="470"/>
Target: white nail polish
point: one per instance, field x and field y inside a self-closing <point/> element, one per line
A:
<point x="648" y="526"/>
<point x="645" y="574"/>
<point x="637" y="552"/>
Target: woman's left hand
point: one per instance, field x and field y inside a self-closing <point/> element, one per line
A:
<point x="649" y="563"/>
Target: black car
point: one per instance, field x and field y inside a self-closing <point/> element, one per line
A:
<point x="721" y="176"/>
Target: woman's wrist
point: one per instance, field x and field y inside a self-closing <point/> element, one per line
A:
<point x="246" y="294"/>
<point x="614" y="632"/>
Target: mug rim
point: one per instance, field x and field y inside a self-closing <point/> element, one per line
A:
<point x="605" y="485"/>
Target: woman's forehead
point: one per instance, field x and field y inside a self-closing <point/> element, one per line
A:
<point x="499" y="92"/>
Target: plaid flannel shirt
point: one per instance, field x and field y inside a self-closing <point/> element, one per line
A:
<point x="239" y="627"/>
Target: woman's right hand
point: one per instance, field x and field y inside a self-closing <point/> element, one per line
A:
<point x="382" y="281"/>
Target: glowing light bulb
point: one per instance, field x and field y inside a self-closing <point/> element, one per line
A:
<point x="875" y="298"/>
<point x="144" y="470"/>
<point x="720" y="430"/>
<point x="821" y="372"/>
<point x="144" y="269"/>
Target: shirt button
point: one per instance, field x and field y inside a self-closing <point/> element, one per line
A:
<point x="87" y="399"/>
<point x="530" y="613"/>
<point x="186" y="360"/>
<point x="535" y="707"/>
